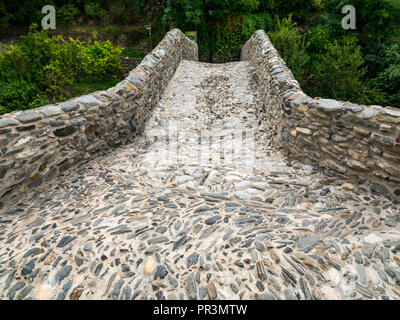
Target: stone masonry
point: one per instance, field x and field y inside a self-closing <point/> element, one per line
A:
<point x="362" y="142"/>
<point x="37" y="145"/>
<point x="196" y="200"/>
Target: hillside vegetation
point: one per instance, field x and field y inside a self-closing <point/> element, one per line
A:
<point x="361" y="65"/>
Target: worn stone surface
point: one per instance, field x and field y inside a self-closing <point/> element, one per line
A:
<point x="133" y="224"/>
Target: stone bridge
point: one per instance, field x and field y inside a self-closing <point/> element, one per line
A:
<point x="190" y="180"/>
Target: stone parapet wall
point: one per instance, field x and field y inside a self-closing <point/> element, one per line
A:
<point x="39" y="144"/>
<point x="361" y="142"/>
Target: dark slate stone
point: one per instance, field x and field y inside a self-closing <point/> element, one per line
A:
<point x="380" y="188"/>
<point x="180" y="242"/>
<point x="65" y="240"/>
<point x="212" y="220"/>
<point x="32" y="252"/>
<point x="57" y="123"/>
<point x="63" y="132"/>
<point x="18" y="286"/>
<point x="27" y="269"/>
<point x="192" y="259"/>
<point x="78" y="261"/>
<point x="26" y="128"/>
<point x="63" y="273"/>
<point x="65" y="290"/>
<point x="4" y="131"/>
<point x="161" y="272"/>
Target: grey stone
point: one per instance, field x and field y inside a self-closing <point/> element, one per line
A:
<point x="353" y="108"/>
<point x="368" y="114"/>
<point x="27" y="269"/>
<point x="191" y="287"/>
<point x="49" y="111"/>
<point x="212" y="220"/>
<point x="65" y="290"/>
<point x="328" y="105"/>
<point x="306" y="244"/>
<point x="161" y="272"/>
<point x="88" y="101"/>
<point x="192" y="259"/>
<point x="8" y="123"/>
<point x="63" y="273"/>
<point x="18" y="286"/>
<point x="69" y="106"/>
<point x="65" y="240"/>
<point x="29" y="116"/>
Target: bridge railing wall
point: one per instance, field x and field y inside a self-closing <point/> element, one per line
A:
<point x="39" y="144"/>
<point x="357" y="141"/>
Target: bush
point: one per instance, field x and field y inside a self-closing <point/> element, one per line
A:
<point x="231" y="34"/>
<point x="100" y="59"/>
<point x="291" y="46"/>
<point x="338" y="71"/>
<point x="20" y="95"/>
<point x="388" y="79"/>
<point x="42" y="69"/>
<point x="94" y="11"/>
<point x="67" y="13"/>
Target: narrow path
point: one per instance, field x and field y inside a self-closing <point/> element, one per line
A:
<point x="201" y="207"/>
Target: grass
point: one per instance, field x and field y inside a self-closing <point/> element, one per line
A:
<point x="112" y="29"/>
<point x="133" y="53"/>
<point x="82" y="88"/>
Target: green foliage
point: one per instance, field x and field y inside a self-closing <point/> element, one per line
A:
<point x="232" y="34"/>
<point x="67" y="13"/>
<point x="41" y="68"/>
<point x="20" y="95"/>
<point x="291" y="46"/>
<point x="360" y="65"/>
<point x="376" y="19"/>
<point x="100" y="60"/>
<point x="388" y="80"/>
<point x="302" y="10"/>
<point x="330" y="69"/>
<point x="338" y="71"/>
<point x="95" y="11"/>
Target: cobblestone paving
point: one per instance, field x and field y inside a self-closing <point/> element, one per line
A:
<point x="136" y="225"/>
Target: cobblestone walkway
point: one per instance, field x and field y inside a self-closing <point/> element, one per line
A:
<point x="241" y="222"/>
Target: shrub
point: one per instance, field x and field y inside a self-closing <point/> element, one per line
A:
<point x="20" y="95"/>
<point x="338" y="71"/>
<point x="67" y="13"/>
<point x="94" y="11"/>
<point x="388" y="79"/>
<point x="291" y="46"/>
<point x="42" y="69"/>
<point x="100" y="59"/>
